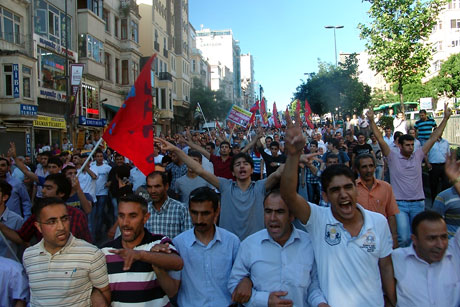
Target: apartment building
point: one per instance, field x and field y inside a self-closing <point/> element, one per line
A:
<point x="247" y="80"/>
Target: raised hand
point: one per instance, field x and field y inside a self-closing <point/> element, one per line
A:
<point x="452" y="166"/>
<point x="166" y="145"/>
<point x="370" y="115"/>
<point x="294" y="141"/>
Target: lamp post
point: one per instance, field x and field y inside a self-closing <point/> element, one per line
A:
<point x="335" y="41"/>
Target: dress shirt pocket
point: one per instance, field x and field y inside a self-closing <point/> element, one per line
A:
<point x="299" y="274"/>
<point x="452" y="290"/>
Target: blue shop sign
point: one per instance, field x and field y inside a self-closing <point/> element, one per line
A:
<point x="16" y="80"/>
<point x="82" y="120"/>
<point x="27" y="109"/>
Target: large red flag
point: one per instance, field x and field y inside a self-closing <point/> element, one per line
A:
<point x="297" y="107"/>
<point x="131" y="131"/>
<point x="255" y="107"/>
<point x="263" y="112"/>
<point x="275" y="116"/>
<point x="307" y="108"/>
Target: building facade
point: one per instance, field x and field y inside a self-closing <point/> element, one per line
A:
<point x="247" y="80"/>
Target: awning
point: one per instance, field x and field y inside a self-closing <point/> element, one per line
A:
<point x="111" y="107"/>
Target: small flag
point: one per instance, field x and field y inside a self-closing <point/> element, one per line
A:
<point x="255" y="107"/>
<point x="263" y="111"/>
<point x="131" y="131"/>
<point x="217" y="125"/>
<point x="275" y="116"/>
<point x="307" y="108"/>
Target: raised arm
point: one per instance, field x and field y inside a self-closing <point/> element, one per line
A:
<point x="195" y="166"/>
<point x="378" y="135"/>
<point x="294" y="144"/>
<point x="253" y="141"/>
<point x="196" y="147"/>
<point x="437" y="133"/>
<point x="20" y="164"/>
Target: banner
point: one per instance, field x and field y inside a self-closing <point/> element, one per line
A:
<point x="239" y="116"/>
<point x="76" y="73"/>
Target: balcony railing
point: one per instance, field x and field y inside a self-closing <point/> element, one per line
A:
<point x="15" y="41"/>
<point x="156" y="45"/>
<point x="165" y="76"/>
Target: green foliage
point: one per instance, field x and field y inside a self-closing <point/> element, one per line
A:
<point x="213" y="103"/>
<point x="385" y="121"/>
<point x="334" y="88"/>
<point x="415" y="91"/>
<point x="447" y="83"/>
<point x="380" y="97"/>
<point x="396" y="38"/>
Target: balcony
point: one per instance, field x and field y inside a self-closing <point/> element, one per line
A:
<point x="129" y="5"/>
<point x="165" y="53"/>
<point x="156" y="45"/>
<point x="16" y="42"/>
<point x="165" y="76"/>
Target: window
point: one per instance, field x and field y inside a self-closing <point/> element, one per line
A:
<point x="124" y="29"/>
<point x="53" y="22"/>
<point x="455" y="23"/>
<point x="193" y="65"/>
<point x="134" y="31"/>
<point x="90" y="47"/>
<point x="117" y="71"/>
<point x="50" y="23"/>
<point x="155" y="65"/>
<point x="10" y="26"/>
<point x="108" y="67"/>
<point x="93" y="5"/>
<point x="173" y="63"/>
<point x="8" y="74"/>
<point x="52" y="70"/>
<point x="135" y="70"/>
<point x="156" y="35"/>
<point x="106" y="17"/>
<point x="164" y="43"/>
<point x="89" y="100"/>
<point x="26" y="75"/>
<point x="116" y="24"/>
<point x="124" y="72"/>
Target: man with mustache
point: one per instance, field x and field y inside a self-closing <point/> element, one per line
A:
<point x="137" y="275"/>
<point x="208" y="252"/>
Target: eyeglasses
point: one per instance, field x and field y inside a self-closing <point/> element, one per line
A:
<point x="54" y="221"/>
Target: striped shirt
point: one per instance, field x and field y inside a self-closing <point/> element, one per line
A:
<point x="447" y="203"/>
<point x="172" y="218"/>
<point x="138" y="286"/>
<point x="424" y="128"/>
<point x="67" y="277"/>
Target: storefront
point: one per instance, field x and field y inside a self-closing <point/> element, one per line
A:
<point x="49" y="130"/>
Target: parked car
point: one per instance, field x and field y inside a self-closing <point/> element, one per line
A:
<point x="413" y="116"/>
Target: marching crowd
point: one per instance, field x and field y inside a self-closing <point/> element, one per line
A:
<point x="330" y="216"/>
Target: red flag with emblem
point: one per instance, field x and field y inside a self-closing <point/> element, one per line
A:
<point x="255" y="107"/>
<point x="131" y="131"/>
<point x="263" y="112"/>
<point x="275" y="116"/>
<point x="307" y="108"/>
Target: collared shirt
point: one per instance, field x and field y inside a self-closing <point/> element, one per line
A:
<point x="406" y="175"/>
<point x="241" y="212"/>
<point x="40" y="172"/>
<point x="438" y="152"/>
<point x="14" y="222"/>
<point x="177" y="171"/>
<point x="137" y="178"/>
<point x="309" y="176"/>
<point x="388" y="140"/>
<point x="78" y="226"/>
<point x="13" y="282"/>
<point x="447" y="203"/>
<point x="272" y="267"/>
<point x="172" y="218"/>
<point x="66" y="278"/>
<point x="379" y="199"/>
<point x="422" y="284"/>
<point x="19" y="201"/>
<point x="207" y="268"/>
<point x="344" y="262"/>
<point x="222" y="168"/>
<point x="137" y="286"/>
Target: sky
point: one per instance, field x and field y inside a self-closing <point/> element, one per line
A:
<point x="286" y="38"/>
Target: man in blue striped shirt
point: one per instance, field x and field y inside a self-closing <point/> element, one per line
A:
<point x="424" y="127"/>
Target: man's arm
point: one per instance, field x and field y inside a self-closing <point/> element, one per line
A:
<point x="452" y="169"/>
<point x="169" y="285"/>
<point x="378" y="135"/>
<point x="171" y="261"/>
<point x="274" y="178"/>
<point x="438" y="132"/>
<point x="194" y="146"/>
<point x="86" y="205"/>
<point x="20" y="164"/>
<point x="393" y="230"/>
<point x="388" y="280"/>
<point x="253" y="141"/>
<point x="195" y="166"/>
<point x="294" y="144"/>
<point x="11" y="235"/>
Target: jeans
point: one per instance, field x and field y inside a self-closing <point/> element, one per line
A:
<point x="314" y="192"/>
<point x="379" y="172"/>
<point x="95" y="217"/>
<point x="407" y="211"/>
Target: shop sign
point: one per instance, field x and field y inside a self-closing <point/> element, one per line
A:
<point x="82" y="120"/>
<point x="51" y="94"/>
<point x="50" y="122"/>
<point x="16" y="80"/>
<point x="43" y="42"/>
<point x="27" y="109"/>
<point x="28" y="145"/>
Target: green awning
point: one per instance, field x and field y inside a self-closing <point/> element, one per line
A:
<point x="111" y="107"/>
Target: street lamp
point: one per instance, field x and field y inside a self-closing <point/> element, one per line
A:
<point x="335" y="41"/>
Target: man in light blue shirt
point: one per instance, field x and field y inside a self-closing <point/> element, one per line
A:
<point x="9" y="218"/>
<point x="279" y="261"/>
<point x="208" y="252"/>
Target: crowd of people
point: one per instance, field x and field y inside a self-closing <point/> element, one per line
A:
<point x="330" y="216"/>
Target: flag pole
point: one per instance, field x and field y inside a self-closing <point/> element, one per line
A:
<point x="206" y="123"/>
<point x="9" y="247"/>
<point x="90" y="156"/>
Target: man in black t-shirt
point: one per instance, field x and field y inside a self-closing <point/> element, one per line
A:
<point x="361" y="148"/>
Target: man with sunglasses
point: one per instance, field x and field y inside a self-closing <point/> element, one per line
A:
<point x="72" y="268"/>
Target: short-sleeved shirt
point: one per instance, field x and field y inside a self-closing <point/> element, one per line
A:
<point x="206" y="269"/>
<point x="74" y="201"/>
<point x="343" y="157"/>
<point x="102" y="172"/>
<point x="172" y="218"/>
<point x="362" y="149"/>
<point x="242" y="212"/>
<point x="66" y="278"/>
<point x="447" y="203"/>
<point x="137" y="286"/>
<point x="176" y="171"/>
<point x="222" y="168"/>
<point x="379" y="199"/>
<point x="425" y="128"/>
<point x="348" y="267"/>
<point x="12" y="221"/>
<point x="185" y="185"/>
<point x="13" y="282"/>
<point x="406" y="175"/>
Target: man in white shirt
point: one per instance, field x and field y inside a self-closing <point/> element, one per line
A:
<point x="427" y="272"/>
<point x="352" y="245"/>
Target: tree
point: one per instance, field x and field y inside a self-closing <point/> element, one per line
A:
<point x="447" y="82"/>
<point x="213" y="103"/>
<point x="396" y="39"/>
<point x="334" y="88"/>
<point x="380" y="97"/>
<point x="416" y="90"/>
